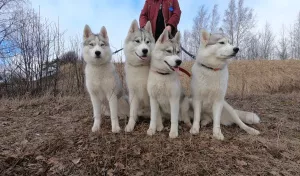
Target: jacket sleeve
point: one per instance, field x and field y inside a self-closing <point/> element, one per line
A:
<point x="144" y="15"/>
<point x="175" y="18"/>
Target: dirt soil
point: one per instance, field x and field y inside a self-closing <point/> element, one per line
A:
<point x="52" y="136"/>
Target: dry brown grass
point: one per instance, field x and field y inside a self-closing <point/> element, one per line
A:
<point x="245" y="77"/>
<point x="71" y="78"/>
<point x="52" y="136"/>
<point x="259" y="77"/>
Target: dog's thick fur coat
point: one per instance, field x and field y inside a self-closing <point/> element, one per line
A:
<point x="138" y="46"/>
<point x="209" y="86"/>
<point x="102" y="80"/>
<point x="164" y="87"/>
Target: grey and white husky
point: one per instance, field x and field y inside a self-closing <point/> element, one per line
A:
<point x="138" y="46"/>
<point x="209" y="86"/>
<point x="164" y="87"/>
<point x="102" y="80"/>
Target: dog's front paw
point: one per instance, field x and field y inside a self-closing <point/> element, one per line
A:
<point x="218" y="135"/>
<point x="129" y="128"/>
<point x="173" y="134"/>
<point x="96" y="125"/>
<point x="151" y="132"/>
<point x="116" y="129"/>
<point x="95" y="128"/>
<point x="252" y="131"/>
<point x="194" y="130"/>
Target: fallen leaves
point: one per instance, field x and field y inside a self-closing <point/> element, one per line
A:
<point x="139" y="174"/>
<point x="119" y="166"/>
<point x="57" y="165"/>
<point x="76" y="161"/>
<point x="241" y="163"/>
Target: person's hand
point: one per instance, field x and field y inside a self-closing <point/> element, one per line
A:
<point x="169" y="28"/>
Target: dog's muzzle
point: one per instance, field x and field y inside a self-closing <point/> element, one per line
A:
<point x="236" y="50"/>
<point x="144" y="57"/>
<point x="98" y="54"/>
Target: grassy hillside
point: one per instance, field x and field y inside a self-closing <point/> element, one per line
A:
<point x="246" y="78"/>
<point x="259" y="77"/>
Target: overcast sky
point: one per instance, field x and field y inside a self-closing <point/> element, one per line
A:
<point x="117" y="15"/>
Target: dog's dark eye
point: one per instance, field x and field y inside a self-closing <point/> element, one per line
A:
<point x="91" y="44"/>
<point x="137" y="41"/>
<point x="222" y="43"/>
<point x="169" y="51"/>
<point x="178" y="52"/>
<point x="147" y="42"/>
<point x="102" y="44"/>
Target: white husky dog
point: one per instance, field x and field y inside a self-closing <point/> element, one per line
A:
<point x="209" y="86"/>
<point x="138" y="46"/>
<point x="164" y="87"/>
<point x="102" y="80"/>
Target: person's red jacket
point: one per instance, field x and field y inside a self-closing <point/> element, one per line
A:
<point x="150" y="12"/>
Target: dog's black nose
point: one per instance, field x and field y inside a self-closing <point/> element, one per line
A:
<point x="145" y="51"/>
<point x="236" y="49"/>
<point x="178" y="62"/>
<point x="97" y="53"/>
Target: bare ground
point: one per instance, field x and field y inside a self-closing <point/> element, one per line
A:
<point x="52" y="136"/>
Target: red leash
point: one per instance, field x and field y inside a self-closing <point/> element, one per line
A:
<point x="184" y="71"/>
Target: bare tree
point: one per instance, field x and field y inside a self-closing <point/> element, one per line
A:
<point x="252" y="48"/>
<point x="297" y="36"/>
<point x="282" y="48"/>
<point x="187" y="43"/>
<point x="295" y="39"/>
<point x="292" y="43"/>
<point x="201" y="21"/>
<point x="245" y="22"/>
<point x="76" y="73"/>
<point x="230" y="21"/>
<point x="267" y="40"/>
<point x="238" y="23"/>
<point x="215" y="19"/>
<point x="35" y="62"/>
<point x="8" y="18"/>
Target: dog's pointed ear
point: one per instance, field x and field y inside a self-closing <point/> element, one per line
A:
<point x="86" y="32"/>
<point x="148" y="27"/>
<point x="134" y="26"/>
<point x="204" y="37"/>
<point x="177" y="37"/>
<point x="164" y="36"/>
<point x="103" y="32"/>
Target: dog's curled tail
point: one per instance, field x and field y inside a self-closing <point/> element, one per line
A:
<point x="248" y="117"/>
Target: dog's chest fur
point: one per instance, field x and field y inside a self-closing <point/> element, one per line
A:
<point x="136" y="79"/>
<point x="162" y="88"/>
<point x="102" y="80"/>
<point x="209" y="85"/>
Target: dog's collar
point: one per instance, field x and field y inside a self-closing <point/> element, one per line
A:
<point x="138" y="65"/>
<point x="161" y="73"/>
<point x="214" y="69"/>
<point x="181" y="69"/>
